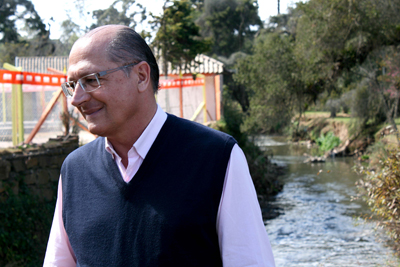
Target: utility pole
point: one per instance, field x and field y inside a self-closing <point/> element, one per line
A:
<point x="164" y="49"/>
<point x="279" y="9"/>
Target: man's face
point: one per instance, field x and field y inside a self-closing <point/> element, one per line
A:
<point x="109" y="109"/>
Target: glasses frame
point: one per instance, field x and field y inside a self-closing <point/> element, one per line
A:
<point x="66" y="87"/>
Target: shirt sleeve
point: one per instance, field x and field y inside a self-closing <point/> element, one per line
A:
<point x="242" y="236"/>
<point x="59" y="251"/>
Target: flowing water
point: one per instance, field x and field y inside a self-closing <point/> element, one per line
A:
<point x="314" y="221"/>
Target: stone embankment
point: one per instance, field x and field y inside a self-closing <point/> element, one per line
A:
<point x="36" y="166"/>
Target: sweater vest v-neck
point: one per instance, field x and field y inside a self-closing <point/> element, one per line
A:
<point x="165" y="216"/>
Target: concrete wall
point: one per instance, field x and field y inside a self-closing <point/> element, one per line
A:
<point x="38" y="167"/>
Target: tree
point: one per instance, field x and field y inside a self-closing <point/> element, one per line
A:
<point x="273" y="77"/>
<point x="70" y="33"/>
<point x="35" y="41"/>
<point x="112" y="15"/>
<point x="178" y="37"/>
<point x="380" y="74"/>
<point x="334" y="36"/>
<point x="232" y="24"/>
<point x="15" y="11"/>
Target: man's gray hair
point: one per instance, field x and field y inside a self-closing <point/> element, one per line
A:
<point x="127" y="47"/>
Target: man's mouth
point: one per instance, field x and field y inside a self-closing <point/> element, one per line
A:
<point x="87" y="112"/>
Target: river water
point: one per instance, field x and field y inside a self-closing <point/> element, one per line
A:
<point x="315" y="221"/>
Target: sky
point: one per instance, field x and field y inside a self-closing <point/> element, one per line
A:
<point x="47" y="10"/>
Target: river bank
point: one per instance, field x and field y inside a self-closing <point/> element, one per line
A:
<point x="353" y="142"/>
<point x="313" y="220"/>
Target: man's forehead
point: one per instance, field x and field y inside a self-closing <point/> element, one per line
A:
<point x="99" y="36"/>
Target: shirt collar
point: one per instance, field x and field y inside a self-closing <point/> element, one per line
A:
<point x="147" y="138"/>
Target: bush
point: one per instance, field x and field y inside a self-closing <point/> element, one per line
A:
<point x="381" y="190"/>
<point x="328" y="142"/>
<point x="263" y="172"/>
<point x="24" y="228"/>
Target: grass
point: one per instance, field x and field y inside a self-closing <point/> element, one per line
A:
<point x="340" y="117"/>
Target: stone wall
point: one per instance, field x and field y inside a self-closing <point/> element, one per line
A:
<point x="37" y="166"/>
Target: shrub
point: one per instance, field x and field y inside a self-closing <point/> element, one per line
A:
<point x="328" y="142"/>
<point x="24" y="228"/>
<point x="263" y="172"/>
<point x="381" y="190"/>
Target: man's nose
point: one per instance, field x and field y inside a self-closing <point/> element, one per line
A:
<point x="80" y="96"/>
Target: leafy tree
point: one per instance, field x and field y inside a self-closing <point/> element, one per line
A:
<point x="178" y="37"/>
<point x="335" y="36"/>
<point x="272" y="75"/>
<point x="380" y="72"/>
<point x="112" y="15"/>
<point x="35" y="41"/>
<point x="15" y="11"/>
<point x="70" y="33"/>
<point x="232" y="24"/>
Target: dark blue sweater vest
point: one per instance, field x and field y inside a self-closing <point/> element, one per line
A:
<point x="165" y="216"/>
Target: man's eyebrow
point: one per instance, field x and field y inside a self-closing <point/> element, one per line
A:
<point x="83" y="74"/>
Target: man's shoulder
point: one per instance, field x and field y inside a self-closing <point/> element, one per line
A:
<point x="87" y="150"/>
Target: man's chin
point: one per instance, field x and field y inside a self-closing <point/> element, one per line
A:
<point x="95" y="129"/>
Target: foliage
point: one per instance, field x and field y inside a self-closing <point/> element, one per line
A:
<point x="70" y="33"/>
<point x="178" y="37"/>
<point x="24" y="228"/>
<point x="112" y="15"/>
<point x="13" y="12"/>
<point x="328" y="142"/>
<point x="37" y="46"/>
<point x="272" y="76"/>
<point x="381" y="190"/>
<point x="232" y="25"/>
<point x="263" y="172"/>
<point x="377" y="152"/>
<point x="31" y="39"/>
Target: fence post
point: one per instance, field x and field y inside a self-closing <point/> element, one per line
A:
<point x="204" y="98"/>
<point x="14" y="114"/>
<point x="4" y="103"/>
<point x="17" y="107"/>
<point x="20" y="105"/>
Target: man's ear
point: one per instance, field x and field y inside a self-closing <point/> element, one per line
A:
<point x="143" y="72"/>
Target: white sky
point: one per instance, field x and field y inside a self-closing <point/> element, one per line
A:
<point x="60" y="8"/>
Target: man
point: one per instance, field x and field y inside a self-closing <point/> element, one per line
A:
<point x="153" y="189"/>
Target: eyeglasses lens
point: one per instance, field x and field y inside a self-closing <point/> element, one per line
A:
<point x="89" y="83"/>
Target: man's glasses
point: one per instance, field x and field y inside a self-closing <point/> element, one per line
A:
<point x="90" y="82"/>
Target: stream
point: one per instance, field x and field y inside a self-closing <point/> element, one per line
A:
<point x="313" y="221"/>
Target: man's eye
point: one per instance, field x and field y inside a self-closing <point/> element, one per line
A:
<point x="91" y="81"/>
<point x="71" y="84"/>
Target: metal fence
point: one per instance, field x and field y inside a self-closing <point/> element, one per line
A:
<point x="24" y="97"/>
<point x="35" y="100"/>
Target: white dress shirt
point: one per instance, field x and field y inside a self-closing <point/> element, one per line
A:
<point x="242" y="236"/>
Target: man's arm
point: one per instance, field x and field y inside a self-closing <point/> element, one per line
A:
<point x="243" y="239"/>
<point x="59" y="251"/>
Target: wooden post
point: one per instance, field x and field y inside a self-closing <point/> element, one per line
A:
<point x="20" y="105"/>
<point x="217" y="85"/>
<point x="17" y="107"/>
<point x="205" y="101"/>
<point x="4" y="104"/>
<point x="14" y="115"/>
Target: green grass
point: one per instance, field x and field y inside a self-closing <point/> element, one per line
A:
<point x="341" y="117"/>
<point x="346" y="120"/>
